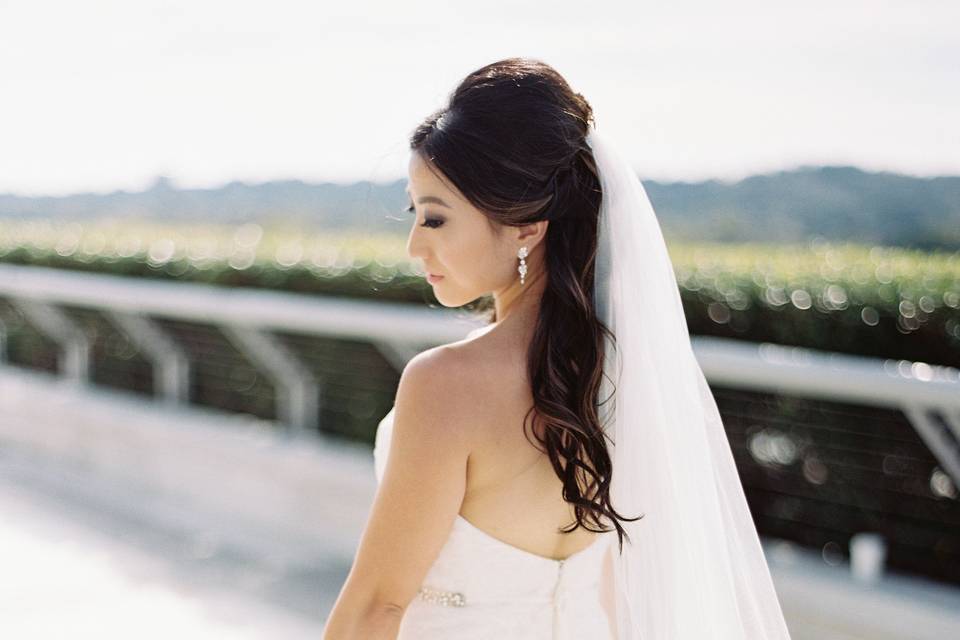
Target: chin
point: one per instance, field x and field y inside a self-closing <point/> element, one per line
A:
<point x="452" y="301"/>
<point x="446" y="301"/>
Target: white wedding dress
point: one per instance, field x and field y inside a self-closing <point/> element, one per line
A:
<point x="481" y="588"/>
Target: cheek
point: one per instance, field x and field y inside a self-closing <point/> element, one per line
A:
<point x="475" y="260"/>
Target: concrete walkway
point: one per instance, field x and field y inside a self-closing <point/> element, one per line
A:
<point x="120" y="518"/>
<point x="75" y="568"/>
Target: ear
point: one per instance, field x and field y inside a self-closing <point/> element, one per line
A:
<point x="530" y="235"/>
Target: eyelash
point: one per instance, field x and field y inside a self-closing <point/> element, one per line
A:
<point x="431" y="223"/>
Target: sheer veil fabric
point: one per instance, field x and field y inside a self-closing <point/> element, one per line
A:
<point x="694" y="568"/>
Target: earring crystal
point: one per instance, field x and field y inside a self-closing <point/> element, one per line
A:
<point x="522" y="254"/>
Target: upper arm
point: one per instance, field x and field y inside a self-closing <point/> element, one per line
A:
<point x="422" y="487"/>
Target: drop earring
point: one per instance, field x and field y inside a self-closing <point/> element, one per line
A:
<point x="522" y="254"/>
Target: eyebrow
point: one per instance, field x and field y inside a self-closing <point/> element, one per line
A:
<point x="429" y="199"/>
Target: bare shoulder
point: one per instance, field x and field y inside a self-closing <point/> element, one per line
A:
<point x="433" y="392"/>
<point x="457" y="361"/>
<point x="431" y="367"/>
<point x="451" y="379"/>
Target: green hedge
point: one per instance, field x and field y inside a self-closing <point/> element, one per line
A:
<point x="877" y="301"/>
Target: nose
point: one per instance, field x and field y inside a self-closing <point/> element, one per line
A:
<point x="415" y="248"/>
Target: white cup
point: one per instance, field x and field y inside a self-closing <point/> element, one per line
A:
<point x="868" y="552"/>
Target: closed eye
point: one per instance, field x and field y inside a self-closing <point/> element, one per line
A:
<point x="431" y="223"/>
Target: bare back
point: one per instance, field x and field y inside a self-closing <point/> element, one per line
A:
<point x="512" y="491"/>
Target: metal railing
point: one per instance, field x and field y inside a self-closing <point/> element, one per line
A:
<point x="246" y="316"/>
<point x="903" y="454"/>
<point x="929" y="395"/>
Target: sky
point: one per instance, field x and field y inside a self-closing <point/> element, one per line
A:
<point x="105" y="95"/>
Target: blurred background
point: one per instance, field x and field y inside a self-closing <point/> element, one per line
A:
<point x="205" y="301"/>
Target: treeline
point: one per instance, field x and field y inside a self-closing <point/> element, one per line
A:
<point x="837" y="203"/>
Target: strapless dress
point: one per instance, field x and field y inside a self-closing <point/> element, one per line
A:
<point x="482" y="588"/>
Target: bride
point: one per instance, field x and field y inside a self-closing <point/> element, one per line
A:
<point x="562" y="472"/>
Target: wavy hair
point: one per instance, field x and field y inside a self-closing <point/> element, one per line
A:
<point x="512" y="139"/>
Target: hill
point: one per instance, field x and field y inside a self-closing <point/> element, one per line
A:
<point x="835" y="202"/>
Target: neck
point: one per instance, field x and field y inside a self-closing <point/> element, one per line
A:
<point x="518" y="302"/>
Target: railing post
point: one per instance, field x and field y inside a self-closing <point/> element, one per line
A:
<point x="297" y="389"/>
<point x="171" y="364"/>
<point x="56" y="325"/>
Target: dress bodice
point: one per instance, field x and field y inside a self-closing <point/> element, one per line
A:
<point x="480" y="587"/>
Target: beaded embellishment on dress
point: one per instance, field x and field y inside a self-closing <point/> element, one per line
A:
<point x="445" y="598"/>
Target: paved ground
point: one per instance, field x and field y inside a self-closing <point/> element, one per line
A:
<point x="80" y="561"/>
<point x="77" y="568"/>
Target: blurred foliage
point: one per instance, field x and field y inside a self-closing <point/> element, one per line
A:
<point x="873" y="301"/>
<point x="877" y="301"/>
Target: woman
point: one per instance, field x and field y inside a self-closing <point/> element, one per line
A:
<point x="514" y="502"/>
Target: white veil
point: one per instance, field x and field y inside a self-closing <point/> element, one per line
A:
<point x="694" y="569"/>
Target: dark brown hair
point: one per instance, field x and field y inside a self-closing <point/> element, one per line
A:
<point x="513" y="141"/>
